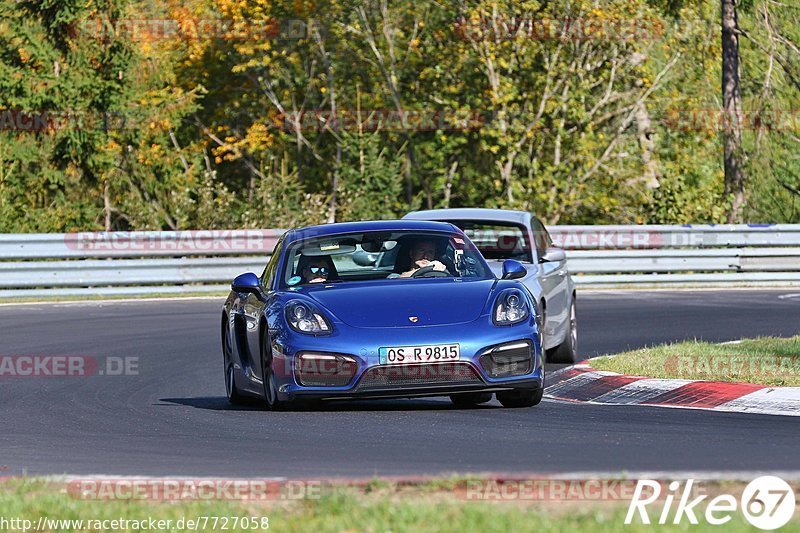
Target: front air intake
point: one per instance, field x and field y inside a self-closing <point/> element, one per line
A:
<point x="511" y="359"/>
<point x="324" y="370"/>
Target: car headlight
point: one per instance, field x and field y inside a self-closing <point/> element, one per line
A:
<point x="304" y="317"/>
<point x="511" y="307"/>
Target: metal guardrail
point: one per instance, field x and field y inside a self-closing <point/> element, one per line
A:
<point x="128" y="263"/>
<point x="708" y="255"/>
<point x="136" y="244"/>
<point x="676" y="236"/>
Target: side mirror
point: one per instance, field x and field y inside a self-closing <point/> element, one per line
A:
<point x="247" y="283"/>
<point x="553" y="255"/>
<point x="364" y="259"/>
<point x="513" y="269"/>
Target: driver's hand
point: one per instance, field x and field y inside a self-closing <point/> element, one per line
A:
<point x="437" y="265"/>
<point x="422" y="263"/>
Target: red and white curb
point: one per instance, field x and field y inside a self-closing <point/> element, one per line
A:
<point x="582" y="383"/>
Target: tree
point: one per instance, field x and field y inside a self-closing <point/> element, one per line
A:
<point x="100" y="160"/>
<point x="732" y="106"/>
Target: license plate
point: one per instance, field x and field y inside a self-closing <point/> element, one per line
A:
<point x="429" y="353"/>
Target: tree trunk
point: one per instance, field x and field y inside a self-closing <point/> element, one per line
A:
<point x="506" y="171"/>
<point x="448" y="186"/>
<point x="107" y="205"/>
<point x="732" y="104"/>
<point x="335" y="183"/>
<point x="412" y="165"/>
<point x="644" y="129"/>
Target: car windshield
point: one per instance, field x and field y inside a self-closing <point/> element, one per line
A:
<point x="497" y="241"/>
<point x="393" y="256"/>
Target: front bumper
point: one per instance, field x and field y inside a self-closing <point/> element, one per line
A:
<point x="375" y="380"/>
<point x="417" y="391"/>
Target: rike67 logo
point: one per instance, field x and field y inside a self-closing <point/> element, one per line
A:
<point x="767" y="502"/>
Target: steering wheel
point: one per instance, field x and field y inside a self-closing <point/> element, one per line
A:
<point x="429" y="272"/>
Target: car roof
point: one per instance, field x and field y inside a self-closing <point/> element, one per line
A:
<point x="472" y="213"/>
<point x="373" y="225"/>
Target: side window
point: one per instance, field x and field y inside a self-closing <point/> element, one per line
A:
<point x="540" y="237"/>
<point x="268" y="276"/>
<point x="548" y="239"/>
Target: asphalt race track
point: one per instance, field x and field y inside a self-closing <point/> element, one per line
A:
<point x="172" y="418"/>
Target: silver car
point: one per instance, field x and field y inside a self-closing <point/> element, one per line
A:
<point x="503" y="234"/>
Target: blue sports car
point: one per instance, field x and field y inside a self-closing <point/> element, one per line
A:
<point x="319" y="324"/>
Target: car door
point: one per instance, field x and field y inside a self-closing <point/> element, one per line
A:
<point x="252" y="311"/>
<point x="555" y="286"/>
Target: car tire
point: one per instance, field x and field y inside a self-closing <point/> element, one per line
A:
<point x="470" y="399"/>
<point x="271" y="400"/>
<point x="520" y="397"/>
<point x="234" y="397"/>
<point x="567" y="351"/>
<point x="231" y="392"/>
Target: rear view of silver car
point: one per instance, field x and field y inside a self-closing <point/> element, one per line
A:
<point x="503" y="234"/>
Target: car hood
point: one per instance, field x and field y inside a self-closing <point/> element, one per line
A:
<point x="390" y="304"/>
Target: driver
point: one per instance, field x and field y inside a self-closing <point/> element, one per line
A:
<point x="422" y="254"/>
<point x="316" y="270"/>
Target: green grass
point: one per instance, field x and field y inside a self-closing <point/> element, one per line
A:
<point x="382" y="506"/>
<point x="764" y="360"/>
